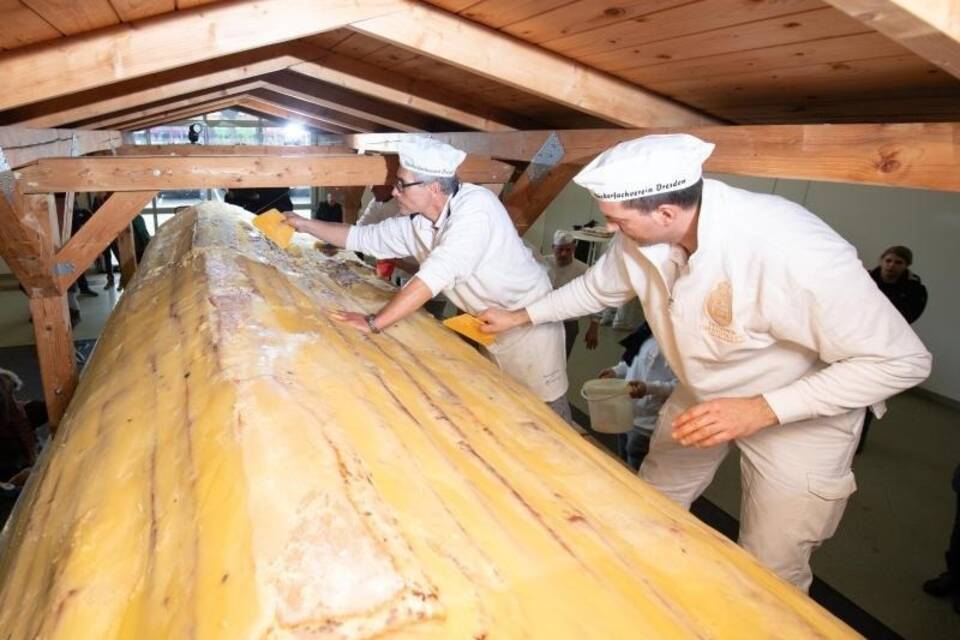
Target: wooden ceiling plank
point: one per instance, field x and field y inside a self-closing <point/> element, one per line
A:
<point x="676" y="22"/>
<point x="22" y="26"/>
<point x="402" y="90"/>
<point x="496" y="14"/>
<point x="109" y="173"/>
<point x="821" y="51"/>
<point x="71" y="17"/>
<point x="132" y="10"/>
<point x="586" y="15"/>
<point x="489" y="53"/>
<point x="359" y="45"/>
<point x="347" y="101"/>
<point x="156" y="44"/>
<point x="933" y="108"/>
<point x="929" y="28"/>
<point x="893" y="77"/>
<point x="802" y="27"/>
<point x="915" y="155"/>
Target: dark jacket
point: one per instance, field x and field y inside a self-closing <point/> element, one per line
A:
<point x="329" y="212"/>
<point x="907" y="294"/>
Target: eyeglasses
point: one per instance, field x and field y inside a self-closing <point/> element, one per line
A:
<point x="400" y="185"/>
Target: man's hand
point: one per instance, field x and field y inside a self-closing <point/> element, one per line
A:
<point x="499" y="320"/>
<point x="638" y="389"/>
<point x="356" y="320"/>
<point x="721" y="420"/>
<point x="607" y="373"/>
<point x="298" y="222"/>
<point x="592" y="337"/>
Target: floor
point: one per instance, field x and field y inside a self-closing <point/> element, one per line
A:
<point x="891" y="539"/>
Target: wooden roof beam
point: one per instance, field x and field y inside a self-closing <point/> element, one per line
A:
<point x="415" y="94"/>
<point x="136" y="92"/>
<point x="116" y="120"/>
<point x="286" y="114"/>
<point x="158" y="173"/>
<point x="182" y="114"/>
<point x="443" y="36"/>
<point x="351" y="123"/>
<point x="130" y="50"/>
<point x="388" y="115"/>
<point x="929" y="28"/>
<point x="915" y="155"/>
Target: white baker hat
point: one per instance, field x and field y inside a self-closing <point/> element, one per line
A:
<point x="561" y="237"/>
<point x="430" y="157"/>
<point x="645" y="166"/>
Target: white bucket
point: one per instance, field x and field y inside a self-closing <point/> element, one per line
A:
<point x="611" y="407"/>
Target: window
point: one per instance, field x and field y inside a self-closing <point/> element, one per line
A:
<point x="223" y="127"/>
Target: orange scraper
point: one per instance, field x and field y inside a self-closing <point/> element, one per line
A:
<point x="467" y="325"/>
<point x="273" y="226"/>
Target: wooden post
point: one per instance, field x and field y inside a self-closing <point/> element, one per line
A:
<point x="128" y="255"/>
<point x="51" y="327"/>
<point x="66" y="226"/>
<point x="351" y="203"/>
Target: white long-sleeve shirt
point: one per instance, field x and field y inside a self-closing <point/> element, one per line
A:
<point x="772" y="302"/>
<point x="560" y="276"/>
<point x="650" y="367"/>
<point x="474" y="255"/>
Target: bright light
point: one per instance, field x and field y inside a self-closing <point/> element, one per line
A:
<point x="294" y="131"/>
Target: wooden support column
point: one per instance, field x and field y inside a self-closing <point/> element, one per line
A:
<point x="128" y="255"/>
<point x="351" y="203"/>
<point x="51" y="327"/>
<point x="539" y="184"/>
<point x="25" y="244"/>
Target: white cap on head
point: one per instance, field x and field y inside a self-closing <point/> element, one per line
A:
<point x="561" y="237"/>
<point x="645" y="166"/>
<point x="430" y="157"/>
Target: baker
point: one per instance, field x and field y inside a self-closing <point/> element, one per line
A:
<point x="776" y="333"/>
<point x="467" y="248"/>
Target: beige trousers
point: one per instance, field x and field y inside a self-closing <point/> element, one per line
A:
<point x="795" y="481"/>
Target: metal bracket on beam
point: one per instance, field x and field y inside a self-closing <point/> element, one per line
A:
<point x="546" y="158"/>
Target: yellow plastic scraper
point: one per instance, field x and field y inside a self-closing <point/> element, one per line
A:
<point x="273" y="226"/>
<point x="467" y="325"/>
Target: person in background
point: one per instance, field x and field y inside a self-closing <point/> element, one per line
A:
<point x="905" y="291"/>
<point x="260" y="200"/>
<point x="18" y="442"/>
<point x="901" y="286"/>
<point x="562" y="268"/>
<point x="651" y="383"/>
<point x="329" y="210"/>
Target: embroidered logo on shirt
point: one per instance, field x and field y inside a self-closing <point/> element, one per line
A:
<point x="719" y="308"/>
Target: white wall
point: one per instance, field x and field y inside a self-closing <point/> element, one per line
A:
<point x="870" y="218"/>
